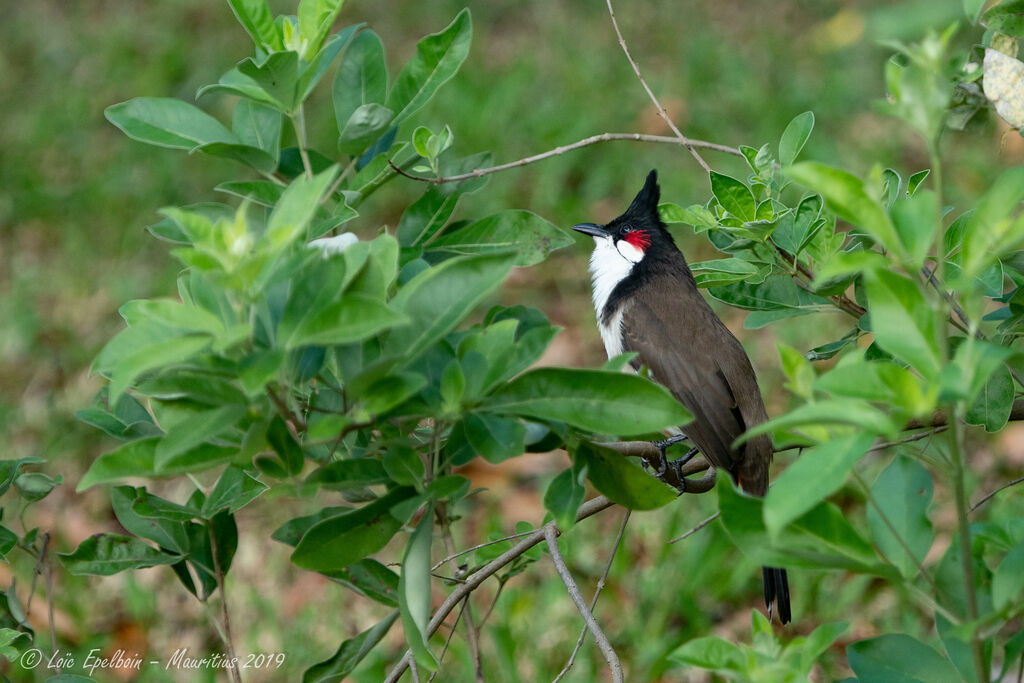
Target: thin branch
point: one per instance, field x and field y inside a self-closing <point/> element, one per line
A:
<point x="588" y="509"/>
<point x="551" y="537"/>
<point x="661" y="110"/>
<point x="986" y="498"/>
<point x="482" y="545"/>
<point x="232" y="669"/>
<point x="700" y="525"/>
<point x="562" y="149"/>
<point x="593" y="601"/>
<point x="472" y="635"/>
<point x="448" y="640"/>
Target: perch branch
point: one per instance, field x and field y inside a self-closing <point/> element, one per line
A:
<point x="551" y="536"/>
<point x="986" y="498"/>
<point x="588" y="509"/>
<point x="700" y="525"/>
<point x="650" y="93"/>
<point x="562" y="149"/>
<point x="593" y="601"/>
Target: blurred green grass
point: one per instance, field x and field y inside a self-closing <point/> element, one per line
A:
<point x="75" y="195"/>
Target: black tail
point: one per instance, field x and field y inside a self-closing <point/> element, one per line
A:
<point x="776" y="587"/>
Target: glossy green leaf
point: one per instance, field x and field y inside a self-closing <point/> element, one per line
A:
<point x="315" y="20"/>
<point x="188" y="433"/>
<point x="340" y="540"/>
<point x="614" y="475"/>
<point x="277" y="76"/>
<point x="356" y="473"/>
<point x="167" y="122"/>
<point x="992" y="406"/>
<point x="284" y="444"/>
<point x="818" y="473"/>
<point x="235" y="489"/>
<point x="137" y="459"/>
<point x="836" y="411"/>
<point x="845" y="194"/>
<point x="259" y="126"/>
<point x="1008" y="579"/>
<point x="719" y="272"/>
<point x="527" y="235"/>
<point x="602" y="402"/>
<point x="426" y="216"/>
<point x="495" y="438"/>
<point x="775" y="293"/>
<point x="899" y="499"/>
<point x="991" y="229"/>
<point x="34" y="486"/>
<point x="166" y="533"/>
<point x="367" y="123"/>
<point x="349" y="654"/>
<point x="253" y="157"/>
<point x="256" y="19"/>
<point x="902" y="321"/>
<point x="564" y="496"/>
<point x="142" y="348"/>
<point x="438" y="57"/>
<point x="795" y="137"/>
<point x="711" y="652"/>
<point x="414" y="591"/>
<point x="107" y="554"/>
<point x="734" y="196"/>
<point x="916" y="219"/>
<point x="404" y="465"/>
<point x="296" y="208"/>
<point x="353" y="318"/>
<point x="362" y="77"/>
<point x="12" y="642"/>
<point x="436" y="300"/>
<point x="898" y="658"/>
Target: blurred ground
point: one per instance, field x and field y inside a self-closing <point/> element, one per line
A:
<point x="75" y="195"/>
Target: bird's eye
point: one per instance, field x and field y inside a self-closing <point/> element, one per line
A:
<point x="626" y="229"/>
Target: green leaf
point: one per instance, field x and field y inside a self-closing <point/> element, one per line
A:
<point x="627" y="484"/>
<point x="166" y="533"/>
<point x="235" y="489"/>
<point x="167" y="122"/>
<point x="136" y="459"/>
<point x="256" y="19"/>
<point x="900" y="498"/>
<point x="902" y="321"/>
<point x="816" y="474"/>
<point x="107" y="554"/>
<point x="174" y="314"/>
<point x="34" y="486"/>
<point x="898" y="658"/>
<point x="372" y="579"/>
<point x="352" y="319"/>
<point x="142" y="348"/>
<point x="349" y="654"/>
<point x="338" y="541"/>
<point x="795" y="137"/>
<point x="602" y="402"/>
<point x="284" y="444"/>
<point x="734" y="196"/>
<point x="697" y="216"/>
<point x="195" y="429"/>
<point x="775" y="293"/>
<point x="258" y="125"/>
<point x="1008" y="579"/>
<point x="277" y="76"/>
<point x="797" y="228"/>
<point x="250" y="156"/>
<point x="526" y="234"/>
<point x="438" y="57"/>
<point x="991" y="408"/>
<point x="436" y="300"/>
<point x="495" y="438"/>
<point x="990" y="230"/>
<point x="428" y="214"/>
<point x="356" y="473"/>
<point x="414" y="591"/>
<point x="564" y="496"/>
<point x="262" y="192"/>
<point x="845" y="194"/>
<point x="404" y="465"/>
<point x="836" y="411"/>
<point x="721" y="272"/>
<point x="915" y="220"/>
<point x="12" y="642"/>
<point x="8" y="539"/>
<point x="390" y="391"/>
<point x="315" y="20"/>
<point x="711" y="652"/>
<point x="364" y="126"/>
<point x="362" y="77"/>
<point x="296" y="208"/>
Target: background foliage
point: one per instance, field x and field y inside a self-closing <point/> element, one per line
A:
<point x="73" y="189"/>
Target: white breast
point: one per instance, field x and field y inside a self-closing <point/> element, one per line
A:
<point x="608" y="267"/>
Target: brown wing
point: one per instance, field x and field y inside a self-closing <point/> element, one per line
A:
<point x="692" y="353"/>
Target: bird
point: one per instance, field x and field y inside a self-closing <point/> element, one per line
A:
<point x="647" y="303"/>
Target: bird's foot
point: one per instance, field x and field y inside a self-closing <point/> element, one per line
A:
<point x="663" y="446"/>
<point x="677" y="465"/>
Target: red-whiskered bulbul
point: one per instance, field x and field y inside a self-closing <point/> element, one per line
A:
<point x="647" y="302"/>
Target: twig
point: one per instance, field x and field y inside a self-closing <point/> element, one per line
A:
<point x="651" y="454"/>
<point x="472" y="638"/>
<point x="986" y="498"/>
<point x="482" y="545"/>
<point x="48" y="578"/>
<point x="562" y="149"/>
<point x="700" y="525"/>
<point x="551" y="536"/>
<point x="661" y="110"/>
<point x="593" y="601"/>
<point x="232" y="668"/>
<point x="588" y="509"/>
<point x="448" y="640"/>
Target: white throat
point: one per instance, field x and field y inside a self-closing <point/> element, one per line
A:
<point x="610" y="264"/>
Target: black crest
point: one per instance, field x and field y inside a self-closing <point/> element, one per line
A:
<point x="645" y="204"/>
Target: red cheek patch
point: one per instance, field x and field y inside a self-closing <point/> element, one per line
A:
<point x="639" y="239"/>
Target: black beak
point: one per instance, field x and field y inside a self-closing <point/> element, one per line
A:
<point x="591" y="229"/>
